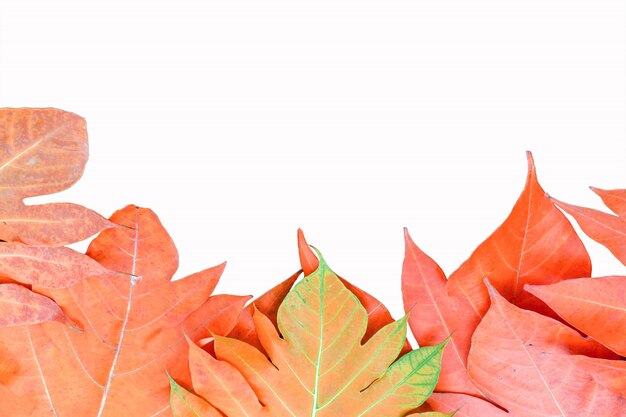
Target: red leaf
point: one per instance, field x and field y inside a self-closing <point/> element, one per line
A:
<point x="466" y="405"/>
<point x="535" y="245"/>
<point x="595" y="306"/>
<point x="604" y="228"/>
<point x="527" y="363"/>
<point x="613" y="199"/>
<point x="436" y="316"/>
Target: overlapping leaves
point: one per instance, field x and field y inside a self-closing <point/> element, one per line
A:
<point x="502" y="357"/>
<point x="316" y="365"/>
<point x="529" y="332"/>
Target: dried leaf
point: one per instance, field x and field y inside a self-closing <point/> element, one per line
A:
<point x="595" y="306"/>
<point x="527" y="363"/>
<point x="43" y="151"/>
<point x="267" y="304"/>
<point x="322" y="325"/>
<point x="132" y="330"/>
<point x="613" y="199"/>
<point x="187" y="404"/>
<point x="604" y="228"/>
<point x="20" y="306"/>
<point x="435" y="316"/>
<point x="45" y="266"/>
<point x="378" y="315"/>
<point x="463" y="405"/>
<point x="536" y="244"/>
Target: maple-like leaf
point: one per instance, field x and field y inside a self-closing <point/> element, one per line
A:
<point x="536" y="244"/>
<point x="378" y="315"/>
<point x="595" y="306"/>
<point x="435" y="316"/>
<point x="43" y="151"/>
<point x="604" y="228"/>
<point x="132" y="330"/>
<point x="529" y="364"/>
<point x="319" y="367"/>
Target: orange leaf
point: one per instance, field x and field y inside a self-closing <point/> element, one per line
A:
<point x="604" y="228"/>
<point x="528" y="364"/>
<point x="436" y="316"/>
<point x="267" y="304"/>
<point x="613" y="199"/>
<point x="20" y="306"/>
<point x="536" y="244"/>
<point x="132" y="330"/>
<point x="187" y="404"/>
<point x="45" y="266"/>
<point x="318" y="366"/>
<point x="43" y="151"/>
<point x="378" y="315"/>
<point x="595" y="306"/>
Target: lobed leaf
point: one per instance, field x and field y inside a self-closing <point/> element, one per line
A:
<point x="131" y="330"/>
<point x="43" y="151"/>
<point x="319" y="366"/>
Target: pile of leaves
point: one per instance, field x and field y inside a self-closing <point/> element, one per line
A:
<point x="520" y="329"/>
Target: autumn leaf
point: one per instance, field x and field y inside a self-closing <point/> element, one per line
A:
<point x="20" y="306"/>
<point x="319" y="366"/>
<point x="43" y="151"/>
<point x="267" y="304"/>
<point x="129" y="330"/>
<point x="435" y="316"/>
<point x="45" y="266"/>
<point x="604" y="228"/>
<point x="528" y="363"/>
<point x="595" y="306"/>
<point x="187" y="404"/>
<point x="536" y="244"/>
<point x="378" y="315"/>
<point x="613" y="199"/>
<point x="463" y="405"/>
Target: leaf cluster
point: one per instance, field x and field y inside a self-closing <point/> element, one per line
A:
<point x="520" y="328"/>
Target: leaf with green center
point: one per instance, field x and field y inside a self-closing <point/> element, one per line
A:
<point x="319" y="367"/>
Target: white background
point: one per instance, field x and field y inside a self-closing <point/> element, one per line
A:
<point x="240" y="121"/>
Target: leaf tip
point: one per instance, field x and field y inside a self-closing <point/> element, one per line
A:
<point x="308" y="260"/>
<point x="531" y="160"/>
